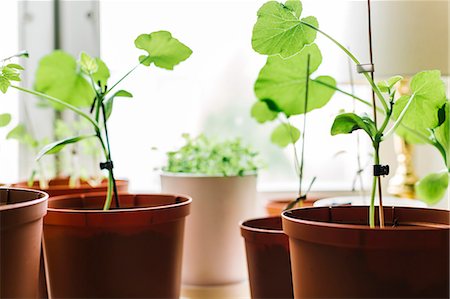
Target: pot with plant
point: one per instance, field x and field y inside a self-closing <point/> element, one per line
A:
<point x="347" y="252"/>
<point x="220" y="176"/>
<point x="114" y="245"/>
<point x="284" y="90"/>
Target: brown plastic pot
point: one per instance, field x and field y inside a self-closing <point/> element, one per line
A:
<point x="276" y="206"/>
<point x="131" y="252"/>
<point x="334" y="253"/>
<point x="269" y="266"/>
<point x="60" y="186"/>
<point x="21" y="213"/>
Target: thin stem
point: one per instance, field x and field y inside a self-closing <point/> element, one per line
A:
<point x="343" y="92"/>
<point x="354" y="59"/>
<point x="58" y="101"/>
<point x="372" y="203"/>
<point x="294" y="147"/>
<point x="126" y="75"/>
<point x="302" y="159"/>
<point x="399" y="119"/>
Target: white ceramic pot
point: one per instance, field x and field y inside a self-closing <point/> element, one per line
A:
<point x="214" y="252"/>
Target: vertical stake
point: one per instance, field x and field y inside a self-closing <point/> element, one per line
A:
<point x="380" y="210"/>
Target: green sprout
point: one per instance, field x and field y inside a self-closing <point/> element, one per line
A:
<point x="201" y="155"/>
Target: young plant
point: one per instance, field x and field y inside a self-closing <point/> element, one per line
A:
<point x="285" y="90"/>
<point x="163" y="51"/>
<point x="201" y="155"/>
<point x="280" y="30"/>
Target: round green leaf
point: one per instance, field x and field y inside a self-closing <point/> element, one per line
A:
<point x="284" y="82"/>
<point x="261" y="112"/>
<point x="421" y="115"/>
<point x="285" y="134"/>
<point x="278" y="29"/>
<point x="163" y="50"/>
<point x="5" y="119"/>
<point x="58" y="76"/>
<point x="432" y="187"/>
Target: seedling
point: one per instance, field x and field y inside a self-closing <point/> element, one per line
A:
<point x="280" y="30"/>
<point x="163" y="51"/>
<point x="201" y="155"/>
<point x="284" y="86"/>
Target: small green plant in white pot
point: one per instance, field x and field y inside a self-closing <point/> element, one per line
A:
<point x="220" y="176"/>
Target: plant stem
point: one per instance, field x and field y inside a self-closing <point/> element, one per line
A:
<point x="126" y="75"/>
<point x="58" y="101"/>
<point x="304" y="126"/>
<point x="343" y="92"/>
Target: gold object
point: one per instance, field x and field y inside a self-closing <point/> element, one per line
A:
<point x="402" y="183"/>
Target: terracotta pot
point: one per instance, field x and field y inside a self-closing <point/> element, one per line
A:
<point x="131" y="252"/>
<point x="21" y="213"/>
<point x="335" y="254"/>
<point x="269" y="266"/>
<point x="276" y="206"/>
<point x="214" y="253"/>
<point x="60" y="186"/>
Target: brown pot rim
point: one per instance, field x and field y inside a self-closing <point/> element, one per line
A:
<point x="114" y="217"/>
<point x="354" y="235"/>
<point x="58" y="187"/>
<point x="251" y="231"/>
<point x="43" y="197"/>
<point x="26" y="211"/>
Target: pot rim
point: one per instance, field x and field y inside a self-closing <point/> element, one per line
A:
<point x="201" y="175"/>
<point x="43" y="197"/>
<point x="358" y="227"/>
<point x="116" y="211"/>
<point x="63" y="187"/>
<point x="244" y="226"/>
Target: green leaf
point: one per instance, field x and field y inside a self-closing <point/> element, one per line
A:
<point x="383" y="86"/>
<point x="4" y="84"/>
<point x="87" y="64"/>
<point x="17" y="132"/>
<point x="15" y="66"/>
<point x="262" y="113"/>
<point x="5" y="119"/>
<point x="346" y="123"/>
<point x="442" y="132"/>
<point x="432" y="187"/>
<point x="57" y="146"/>
<point x="21" y="134"/>
<point x="102" y="74"/>
<point x="110" y="101"/>
<point x="163" y="50"/>
<point x="284" y="82"/>
<point x="278" y="29"/>
<point x="10" y="74"/>
<point x="421" y="116"/>
<point x="58" y="76"/>
<point x="285" y="134"/>
<point x="393" y="80"/>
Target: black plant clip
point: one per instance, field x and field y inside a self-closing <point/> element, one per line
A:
<point x="365" y="68"/>
<point x="106" y="165"/>
<point x="380" y="170"/>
